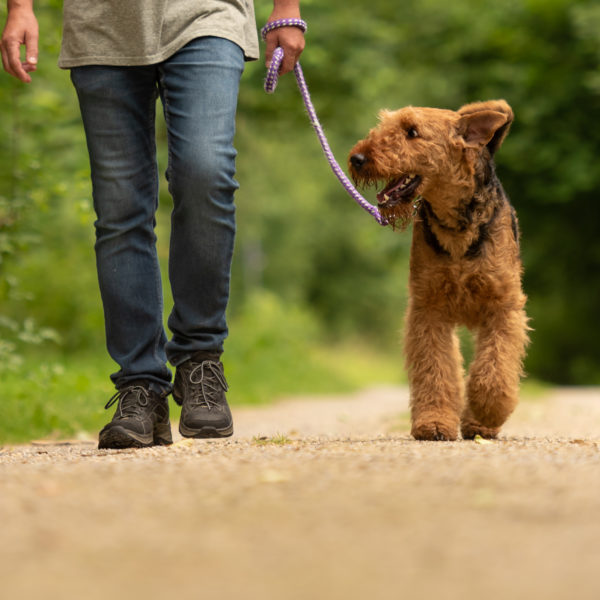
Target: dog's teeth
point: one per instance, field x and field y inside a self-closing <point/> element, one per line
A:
<point x="386" y="197"/>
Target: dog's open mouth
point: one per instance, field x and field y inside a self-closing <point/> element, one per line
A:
<point x="398" y="190"/>
<point x="396" y="200"/>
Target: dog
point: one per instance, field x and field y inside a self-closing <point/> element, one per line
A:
<point x="437" y="169"/>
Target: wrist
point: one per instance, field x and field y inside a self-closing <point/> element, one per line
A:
<point x="19" y="6"/>
<point x="285" y="9"/>
<point x="19" y="9"/>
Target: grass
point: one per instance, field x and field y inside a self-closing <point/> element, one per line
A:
<point x="58" y="397"/>
<point x="63" y="397"/>
<point x="533" y="390"/>
<point x="277" y="440"/>
<point x="275" y="350"/>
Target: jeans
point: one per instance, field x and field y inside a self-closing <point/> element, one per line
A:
<point x="198" y="87"/>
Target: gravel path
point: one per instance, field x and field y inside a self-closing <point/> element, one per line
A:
<point x="314" y="498"/>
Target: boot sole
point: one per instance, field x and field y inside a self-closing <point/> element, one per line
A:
<point x="205" y="432"/>
<point x="119" y="437"/>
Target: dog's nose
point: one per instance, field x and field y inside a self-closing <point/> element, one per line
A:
<point x="358" y="160"/>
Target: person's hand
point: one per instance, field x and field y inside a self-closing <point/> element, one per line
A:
<point x="291" y="39"/>
<point x="21" y="29"/>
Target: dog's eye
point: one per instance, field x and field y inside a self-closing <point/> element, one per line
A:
<point x="412" y="133"/>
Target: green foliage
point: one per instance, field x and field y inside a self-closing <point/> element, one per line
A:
<point x="279" y="350"/>
<point x="302" y="237"/>
<point x="59" y="398"/>
<point x="544" y="58"/>
<point x="42" y="171"/>
<point x="280" y="353"/>
<point x="312" y="272"/>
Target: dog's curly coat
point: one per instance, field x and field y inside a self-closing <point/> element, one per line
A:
<point x="465" y="267"/>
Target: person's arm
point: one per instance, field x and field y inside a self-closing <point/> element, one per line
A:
<point x="21" y="29"/>
<point x="291" y="39"/>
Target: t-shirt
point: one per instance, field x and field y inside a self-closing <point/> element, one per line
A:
<point x="144" y="32"/>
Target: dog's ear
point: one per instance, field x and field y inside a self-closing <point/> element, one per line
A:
<point x="485" y="123"/>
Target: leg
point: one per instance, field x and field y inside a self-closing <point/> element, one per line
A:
<point x="199" y="89"/>
<point x="118" y="106"/>
<point x="493" y="383"/>
<point x="435" y="376"/>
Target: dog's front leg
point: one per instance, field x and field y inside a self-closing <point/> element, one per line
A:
<point x="493" y="383"/>
<point x="435" y="374"/>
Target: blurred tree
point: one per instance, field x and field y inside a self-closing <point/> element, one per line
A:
<point x="544" y="58"/>
<point x="44" y="200"/>
<point x="300" y="236"/>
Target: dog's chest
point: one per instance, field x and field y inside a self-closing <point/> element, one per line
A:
<point x="462" y="291"/>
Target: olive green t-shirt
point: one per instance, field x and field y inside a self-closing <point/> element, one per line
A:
<point x="144" y="32"/>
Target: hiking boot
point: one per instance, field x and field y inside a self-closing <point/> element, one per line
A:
<point x="199" y="388"/>
<point x="141" y="419"/>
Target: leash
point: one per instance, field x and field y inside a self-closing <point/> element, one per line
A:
<point x="271" y="84"/>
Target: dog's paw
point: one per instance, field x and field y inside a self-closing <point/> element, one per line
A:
<point x="470" y="429"/>
<point x="434" y="431"/>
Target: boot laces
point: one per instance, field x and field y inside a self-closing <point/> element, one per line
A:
<point x="210" y="380"/>
<point x="132" y="400"/>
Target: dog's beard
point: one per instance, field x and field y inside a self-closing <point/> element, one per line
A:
<point x="400" y="215"/>
<point x="398" y="201"/>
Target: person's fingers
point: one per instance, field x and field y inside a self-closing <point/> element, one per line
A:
<point x="5" y="64"/>
<point x="11" y="60"/>
<point x="291" y="40"/>
<point x="291" y="55"/>
<point x="31" y="47"/>
<point x="271" y="44"/>
<point x="21" y="29"/>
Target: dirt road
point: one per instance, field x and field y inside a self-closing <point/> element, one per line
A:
<point x="314" y="498"/>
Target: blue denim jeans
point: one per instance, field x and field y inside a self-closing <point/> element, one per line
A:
<point x="198" y="87"/>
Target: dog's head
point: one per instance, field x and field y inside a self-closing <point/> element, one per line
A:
<point x="428" y="152"/>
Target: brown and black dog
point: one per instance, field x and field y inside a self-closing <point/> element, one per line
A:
<point x="438" y="170"/>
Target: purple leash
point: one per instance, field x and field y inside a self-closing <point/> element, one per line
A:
<point x="271" y="84"/>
